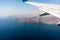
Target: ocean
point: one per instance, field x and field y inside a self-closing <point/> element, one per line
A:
<point x="12" y="30"/>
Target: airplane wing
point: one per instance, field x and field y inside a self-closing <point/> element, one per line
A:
<point x="49" y="8"/>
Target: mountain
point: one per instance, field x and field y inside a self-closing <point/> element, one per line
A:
<point x="49" y="19"/>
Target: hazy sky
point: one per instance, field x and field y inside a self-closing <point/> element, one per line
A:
<point x="17" y="7"/>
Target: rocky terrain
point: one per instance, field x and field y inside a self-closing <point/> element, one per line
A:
<point x="49" y="19"/>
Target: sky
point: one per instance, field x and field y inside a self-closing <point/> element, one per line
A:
<point x="18" y="8"/>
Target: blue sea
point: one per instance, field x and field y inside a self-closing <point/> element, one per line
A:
<point x="12" y="30"/>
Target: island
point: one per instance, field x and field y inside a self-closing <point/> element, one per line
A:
<point x="48" y="19"/>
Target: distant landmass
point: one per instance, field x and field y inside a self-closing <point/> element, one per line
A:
<point x="49" y="19"/>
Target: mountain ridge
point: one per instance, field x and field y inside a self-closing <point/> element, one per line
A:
<point x="49" y="19"/>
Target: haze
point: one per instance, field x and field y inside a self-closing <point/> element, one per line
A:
<point x="17" y="7"/>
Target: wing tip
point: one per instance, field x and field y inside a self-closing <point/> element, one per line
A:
<point x="24" y="1"/>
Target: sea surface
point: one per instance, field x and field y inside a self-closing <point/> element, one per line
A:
<point x="10" y="29"/>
